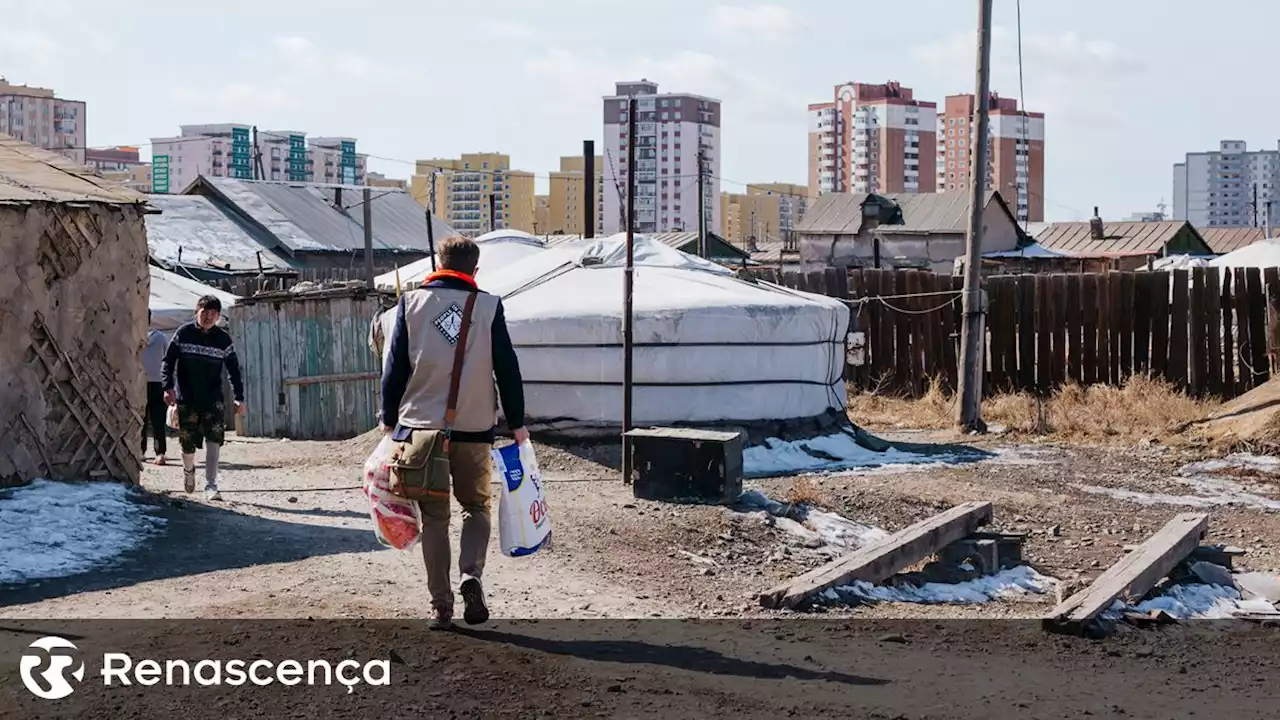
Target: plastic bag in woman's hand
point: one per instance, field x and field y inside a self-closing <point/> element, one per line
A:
<point x="396" y="521"/>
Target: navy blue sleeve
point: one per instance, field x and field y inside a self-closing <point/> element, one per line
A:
<point x="506" y="370"/>
<point x="168" y="366"/>
<point x="396" y="370"/>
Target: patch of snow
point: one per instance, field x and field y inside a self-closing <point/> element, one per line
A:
<point x="809" y="523"/>
<point x="1212" y="492"/>
<point x="1014" y="583"/>
<point x="1194" y="601"/>
<point x="57" y="529"/>
<point x="1239" y="461"/>
<point x="829" y="453"/>
<point x="1024" y="455"/>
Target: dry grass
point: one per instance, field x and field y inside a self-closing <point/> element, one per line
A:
<point x="804" y="492"/>
<point x="1142" y="408"/>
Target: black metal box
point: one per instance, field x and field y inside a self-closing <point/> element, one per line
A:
<point x="687" y="464"/>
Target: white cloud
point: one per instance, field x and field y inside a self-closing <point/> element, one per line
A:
<point x="1061" y="72"/>
<point x="755" y="22"/>
<point x="511" y="31"/>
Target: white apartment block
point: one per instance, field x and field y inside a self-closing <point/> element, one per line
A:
<point x="227" y="150"/>
<point x="1218" y="189"/>
<point x="671" y="129"/>
<point x="33" y="115"/>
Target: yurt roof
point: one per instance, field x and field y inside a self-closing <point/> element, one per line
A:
<point x="173" y="298"/>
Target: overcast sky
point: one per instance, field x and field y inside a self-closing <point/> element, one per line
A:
<point x="1128" y="86"/>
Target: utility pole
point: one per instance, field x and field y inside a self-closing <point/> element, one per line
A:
<point x="973" y="331"/>
<point x="628" y="286"/>
<point x="702" y="201"/>
<point x="588" y="188"/>
<point x="257" y="157"/>
<point x="368" y="236"/>
<point x="1255" y="204"/>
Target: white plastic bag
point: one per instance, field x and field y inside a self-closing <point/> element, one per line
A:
<point x="396" y="521"/>
<point x="523" y="524"/>
<point x="171" y="417"/>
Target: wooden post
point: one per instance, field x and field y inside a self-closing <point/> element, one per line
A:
<point x="368" y="237"/>
<point x="628" y="288"/>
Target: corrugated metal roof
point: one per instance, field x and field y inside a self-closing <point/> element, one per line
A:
<point x="834" y="214"/>
<point x="1223" y="240"/>
<point x="29" y="174"/>
<point x="1123" y="238"/>
<point x="935" y="212"/>
<point x="305" y="217"/>
<point x="205" y="235"/>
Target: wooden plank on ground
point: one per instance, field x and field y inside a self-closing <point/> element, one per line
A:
<point x="1213" y="331"/>
<point x="1179" y="324"/>
<point x="1160" y="326"/>
<point x="1133" y="576"/>
<point x="1227" y="305"/>
<point x="1257" y="327"/>
<point x="1089" y="343"/>
<point x="877" y="562"/>
<point x="1027" y="332"/>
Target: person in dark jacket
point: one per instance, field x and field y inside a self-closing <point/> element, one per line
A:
<point x="192" y="379"/>
<point x="415" y="389"/>
<point x="152" y="363"/>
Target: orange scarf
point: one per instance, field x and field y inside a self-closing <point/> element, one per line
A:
<point x="442" y="274"/>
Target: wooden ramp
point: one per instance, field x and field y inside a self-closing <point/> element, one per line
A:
<point x="876" y="562"/>
<point x="1133" y="576"/>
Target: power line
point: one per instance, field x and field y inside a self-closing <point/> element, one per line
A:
<point x="1022" y="100"/>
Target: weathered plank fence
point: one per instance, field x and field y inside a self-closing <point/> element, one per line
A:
<point x="1210" y="332"/>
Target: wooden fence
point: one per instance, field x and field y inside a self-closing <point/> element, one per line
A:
<point x="1209" y="332"/>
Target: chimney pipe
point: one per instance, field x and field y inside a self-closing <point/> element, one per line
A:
<point x="1096" y="229"/>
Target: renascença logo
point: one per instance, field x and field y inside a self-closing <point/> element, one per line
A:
<point x="50" y="683"/>
<point x="120" y="669"/>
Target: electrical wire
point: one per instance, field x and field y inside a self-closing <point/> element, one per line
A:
<point x="1022" y="100"/>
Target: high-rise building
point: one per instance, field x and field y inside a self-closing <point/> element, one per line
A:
<point x="672" y="131"/>
<point x="227" y="150"/>
<point x="1016" y="161"/>
<point x="1232" y="186"/>
<point x="746" y="220"/>
<point x="469" y="189"/>
<point x="122" y="165"/>
<point x="872" y="138"/>
<point x="34" y="116"/>
<point x="793" y="201"/>
<point x="566" y="202"/>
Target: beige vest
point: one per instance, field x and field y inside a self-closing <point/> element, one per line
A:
<point x="433" y="317"/>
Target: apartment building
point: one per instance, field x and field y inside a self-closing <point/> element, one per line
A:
<point x="1015" y="164"/>
<point x="227" y="150"/>
<point x="793" y="202"/>
<point x="378" y="180"/>
<point x="36" y="116"/>
<point x="872" y="138"/>
<point x="1232" y="186"/>
<point x="748" y="220"/>
<point x="566" y="202"/>
<point x="121" y="164"/>
<point x="476" y="193"/>
<point x="672" y="131"/>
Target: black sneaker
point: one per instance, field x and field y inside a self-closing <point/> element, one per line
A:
<point x="473" y="598"/>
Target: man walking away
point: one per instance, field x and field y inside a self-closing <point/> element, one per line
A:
<point x="152" y="362"/>
<point x="192" y="378"/>
<point x="415" y="395"/>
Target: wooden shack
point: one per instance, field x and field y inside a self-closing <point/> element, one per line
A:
<point x="308" y="370"/>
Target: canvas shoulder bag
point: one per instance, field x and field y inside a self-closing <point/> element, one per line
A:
<point x="419" y="466"/>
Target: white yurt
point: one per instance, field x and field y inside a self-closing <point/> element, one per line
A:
<point x="709" y="348"/>
<point x="497" y="250"/>
<point x="1262" y="254"/>
<point x="173" y="299"/>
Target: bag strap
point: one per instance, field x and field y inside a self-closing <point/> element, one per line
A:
<point x="451" y="409"/>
